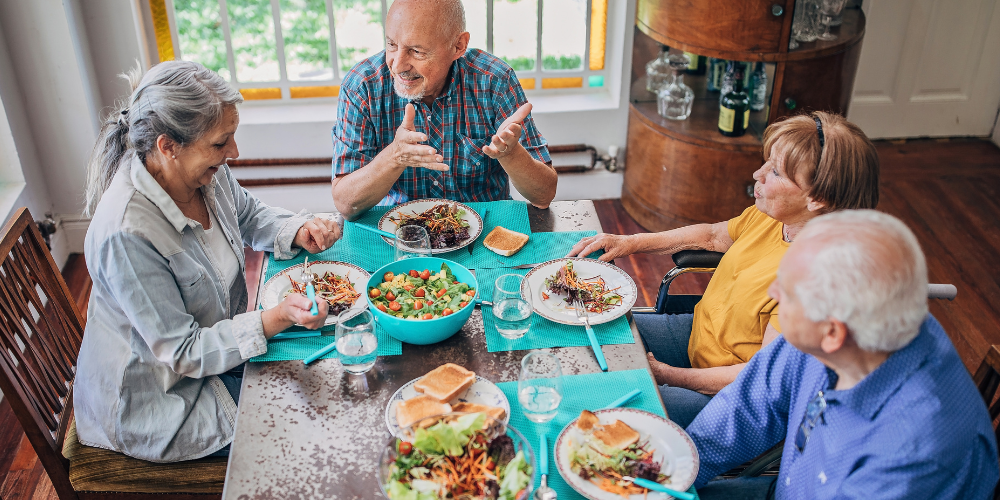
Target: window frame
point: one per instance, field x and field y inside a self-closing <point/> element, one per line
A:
<point x="536" y="82"/>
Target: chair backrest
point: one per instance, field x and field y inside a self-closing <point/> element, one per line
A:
<point x="987" y="378"/>
<point x="40" y="334"/>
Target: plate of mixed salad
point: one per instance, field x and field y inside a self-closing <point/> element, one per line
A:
<point x="597" y="449"/>
<point x="339" y="283"/>
<point x="482" y="392"/>
<point x="450" y="225"/>
<point x="463" y="456"/>
<point x="606" y="291"/>
<point x="421" y="295"/>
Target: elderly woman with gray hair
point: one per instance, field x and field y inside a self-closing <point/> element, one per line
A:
<point x="167" y="329"/>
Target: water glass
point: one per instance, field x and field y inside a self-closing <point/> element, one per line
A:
<point x="827" y="10"/>
<point x="539" y="388"/>
<point x="412" y="241"/>
<point x="511" y="306"/>
<point x="805" y="23"/>
<point x="356" y="341"/>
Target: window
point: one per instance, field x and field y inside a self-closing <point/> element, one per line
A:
<point x="292" y="49"/>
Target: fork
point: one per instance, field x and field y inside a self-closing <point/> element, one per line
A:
<point x="652" y="485"/>
<point x="308" y="278"/>
<point x="582" y="315"/>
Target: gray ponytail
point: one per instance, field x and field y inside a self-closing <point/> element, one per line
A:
<point x="181" y="99"/>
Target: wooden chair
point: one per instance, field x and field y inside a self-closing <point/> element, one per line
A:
<point x="987" y="379"/>
<point x="40" y="334"/>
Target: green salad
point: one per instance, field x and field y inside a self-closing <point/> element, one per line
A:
<point x="457" y="458"/>
<point x="421" y="294"/>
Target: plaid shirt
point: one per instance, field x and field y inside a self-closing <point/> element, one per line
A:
<point x="481" y="93"/>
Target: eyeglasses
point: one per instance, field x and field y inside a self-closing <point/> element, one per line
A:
<point x="814" y="413"/>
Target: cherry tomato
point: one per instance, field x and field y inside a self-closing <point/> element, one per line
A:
<point x="406" y="448"/>
<point x="489" y="461"/>
<point x="388" y="276"/>
<point x="418" y="304"/>
<point x="440" y="293"/>
<point x="414" y="273"/>
<point x="381" y="307"/>
<point x="471" y="293"/>
<point x="428" y="316"/>
<point x="425" y="274"/>
<point x="395" y="306"/>
<point x="447" y="312"/>
<point x="462" y="304"/>
<point x="454" y="282"/>
<point x="390" y="296"/>
<point x="408" y="286"/>
<point x="419" y="293"/>
<point x="375" y="292"/>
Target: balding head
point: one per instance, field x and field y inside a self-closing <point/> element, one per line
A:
<point x="447" y="15"/>
<point x="865" y="269"/>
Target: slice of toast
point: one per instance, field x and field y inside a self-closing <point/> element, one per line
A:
<point x="504" y="241"/>
<point x="411" y="411"/>
<point x="445" y="382"/>
<point x="493" y="411"/>
<point x="587" y="421"/>
<point x="617" y="435"/>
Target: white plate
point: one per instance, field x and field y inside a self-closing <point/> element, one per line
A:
<point x="419" y="206"/>
<point x="481" y="391"/>
<point x="556" y="308"/>
<point x="276" y="287"/>
<point x="671" y="446"/>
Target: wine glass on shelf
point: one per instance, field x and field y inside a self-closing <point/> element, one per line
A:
<point x="827" y="10"/>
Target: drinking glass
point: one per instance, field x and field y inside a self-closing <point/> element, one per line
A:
<point x="674" y="101"/>
<point x="511" y="306"/>
<point x="356" y="341"/>
<point x="805" y="23"/>
<point x="412" y="241"/>
<point x="539" y="388"/>
<point x="827" y="10"/>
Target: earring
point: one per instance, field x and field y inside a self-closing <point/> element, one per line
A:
<point x="174" y="156"/>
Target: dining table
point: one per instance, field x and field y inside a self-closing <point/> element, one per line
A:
<point x="316" y="431"/>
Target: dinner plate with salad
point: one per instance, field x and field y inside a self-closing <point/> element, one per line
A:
<point x="481" y="392"/>
<point x="450" y="225"/>
<point x="595" y="451"/>
<point x="339" y="283"/>
<point x="606" y="291"/>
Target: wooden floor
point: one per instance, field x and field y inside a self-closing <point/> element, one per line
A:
<point x="948" y="192"/>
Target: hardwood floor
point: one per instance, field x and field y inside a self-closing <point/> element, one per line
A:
<point x="948" y="192"/>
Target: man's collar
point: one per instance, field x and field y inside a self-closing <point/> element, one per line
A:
<point x="146" y="185"/>
<point x="869" y="396"/>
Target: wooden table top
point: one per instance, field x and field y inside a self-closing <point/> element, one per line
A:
<point x="316" y="431"/>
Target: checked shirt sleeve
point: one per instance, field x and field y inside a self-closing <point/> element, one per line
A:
<point x="355" y="142"/>
<point x="508" y="98"/>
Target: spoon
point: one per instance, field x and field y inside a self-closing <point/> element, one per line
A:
<point x="544" y="492"/>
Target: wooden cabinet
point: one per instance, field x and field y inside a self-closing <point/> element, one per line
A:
<point x="686" y="172"/>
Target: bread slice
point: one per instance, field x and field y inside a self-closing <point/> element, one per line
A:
<point x="617" y="435"/>
<point x="411" y="411"/>
<point x="504" y="241"/>
<point x="587" y="421"/>
<point x="445" y="382"/>
<point x="493" y="411"/>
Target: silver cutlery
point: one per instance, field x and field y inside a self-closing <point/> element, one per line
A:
<point x="544" y="492"/>
<point x="583" y="316"/>
<point x="652" y="485"/>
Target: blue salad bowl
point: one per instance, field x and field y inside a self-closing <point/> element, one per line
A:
<point x="422" y="331"/>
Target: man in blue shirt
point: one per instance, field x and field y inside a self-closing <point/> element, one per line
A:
<point x="430" y="118"/>
<point x="864" y="385"/>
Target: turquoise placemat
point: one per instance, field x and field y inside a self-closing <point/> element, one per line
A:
<point x="301" y="348"/>
<point x="544" y="333"/>
<point x="582" y="392"/>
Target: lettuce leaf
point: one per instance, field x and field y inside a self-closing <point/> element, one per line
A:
<point x="449" y="438"/>
<point x="514" y="477"/>
<point x="399" y="491"/>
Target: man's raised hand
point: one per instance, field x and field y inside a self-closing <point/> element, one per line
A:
<point x="406" y="149"/>
<point x="508" y="136"/>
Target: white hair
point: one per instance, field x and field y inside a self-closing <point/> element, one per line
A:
<point x="867" y="271"/>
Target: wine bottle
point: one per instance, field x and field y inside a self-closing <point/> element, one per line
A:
<point x="758" y="86"/>
<point x="734" y="107"/>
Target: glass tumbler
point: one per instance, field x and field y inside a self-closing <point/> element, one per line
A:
<point x="412" y="241"/>
<point x="539" y="388"/>
<point x="356" y="341"/>
<point x="805" y="23"/>
<point x="674" y="101"/>
<point x="511" y="306"/>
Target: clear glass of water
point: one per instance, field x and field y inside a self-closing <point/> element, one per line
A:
<point x="539" y="388"/>
<point x="511" y="306"/>
<point x="412" y="241"/>
<point x="356" y="341"/>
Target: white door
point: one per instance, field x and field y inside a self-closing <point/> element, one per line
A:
<point x="928" y="68"/>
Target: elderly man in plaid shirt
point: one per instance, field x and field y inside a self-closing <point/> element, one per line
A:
<point x="430" y="118"/>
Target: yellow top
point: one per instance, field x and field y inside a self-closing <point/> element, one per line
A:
<point x="730" y="319"/>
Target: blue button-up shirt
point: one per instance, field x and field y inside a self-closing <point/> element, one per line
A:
<point x="482" y="91"/>
<point x="914" y="428"/>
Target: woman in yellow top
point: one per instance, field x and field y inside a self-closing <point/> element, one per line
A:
<point x="813" y="164"/>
